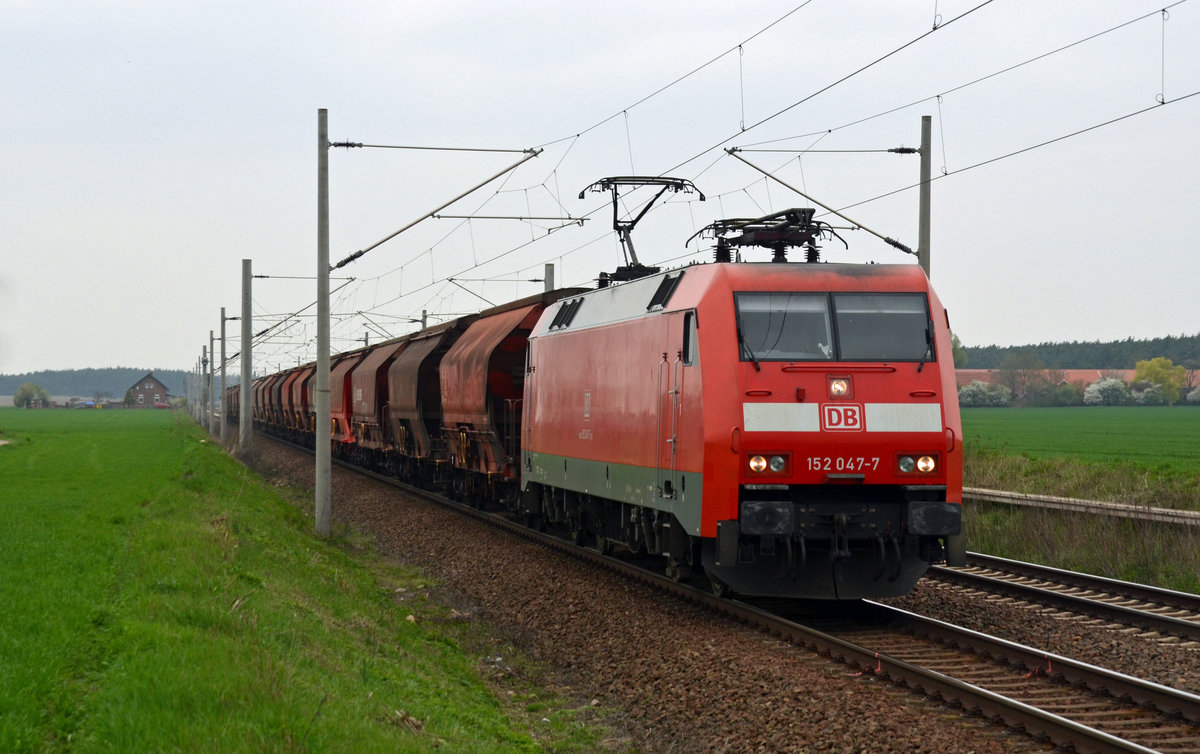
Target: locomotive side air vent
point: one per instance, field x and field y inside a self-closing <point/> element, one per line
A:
<point x="665" y="289"/>
<point x="565" y="314"/>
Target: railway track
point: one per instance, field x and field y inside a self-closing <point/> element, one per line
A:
<point x="1157" y="614"/>
<point x="1051" y="698"/>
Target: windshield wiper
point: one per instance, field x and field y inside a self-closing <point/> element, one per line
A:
<point x="928" y="354"/>
<point x="745" y="349"/>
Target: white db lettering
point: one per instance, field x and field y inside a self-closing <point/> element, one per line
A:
<point x="842" y="417"/>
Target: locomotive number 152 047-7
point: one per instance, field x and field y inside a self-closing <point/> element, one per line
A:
<point x="858" y="463"/>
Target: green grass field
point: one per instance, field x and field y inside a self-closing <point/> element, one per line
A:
<point x="1164" y="438"/>
<point x="1140" y="455"/>
<point x="156" y="596"/>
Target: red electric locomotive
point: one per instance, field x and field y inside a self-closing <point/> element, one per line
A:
<point x="785" y="429"/>
<point x="790" y="429"/>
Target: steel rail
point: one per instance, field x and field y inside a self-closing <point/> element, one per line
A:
<point x="1075" y="505"/>
<point x="1182" y="600"/>
<point x="1095" y="605"/>
<point x="1164" y="699"/>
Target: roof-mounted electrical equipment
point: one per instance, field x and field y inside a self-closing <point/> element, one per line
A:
<point x="633" y="268"/>
<point x="778" y="232"/>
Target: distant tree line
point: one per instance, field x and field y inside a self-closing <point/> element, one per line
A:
<point x="1021" y="379"/>
<point x="110" y="382"/>
<point x="1183" y="350"/>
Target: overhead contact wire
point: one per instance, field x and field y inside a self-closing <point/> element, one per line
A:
<point x="685" y="76"/>
<point x="1064" y="137"/>
<point x="973" y="82"/>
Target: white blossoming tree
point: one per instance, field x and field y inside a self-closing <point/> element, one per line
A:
<point x="1106" y="392"/>
<point x="980" y="394"/>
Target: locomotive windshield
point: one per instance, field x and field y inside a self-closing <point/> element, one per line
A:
<point x="781" y="326"/>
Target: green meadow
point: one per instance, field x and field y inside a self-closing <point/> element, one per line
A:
<point x="156" y="596"/>
<point x="1148" y="455"/>
<point x="1162" y="438"/>
<point x="1139" y="455"/>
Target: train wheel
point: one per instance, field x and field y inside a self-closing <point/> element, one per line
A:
<point x="956" y="550"/>
<point x="677" y="570"/>
<point x="719" y="588"/>
<point x="575" y="531"/>
<point x="459" y="491"/>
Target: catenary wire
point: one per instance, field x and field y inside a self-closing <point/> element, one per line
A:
<point x="575" y="137"/>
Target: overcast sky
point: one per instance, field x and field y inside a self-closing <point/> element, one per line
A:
<point x="148" y="147"/>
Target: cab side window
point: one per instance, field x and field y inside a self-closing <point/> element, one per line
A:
<point x="691" y="351"/>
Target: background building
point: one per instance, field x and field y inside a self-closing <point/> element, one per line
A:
<point x="148" y="392"/>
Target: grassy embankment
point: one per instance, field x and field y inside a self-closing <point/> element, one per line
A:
<point x="156" y="596"/>
<point x="1139" y="455"/>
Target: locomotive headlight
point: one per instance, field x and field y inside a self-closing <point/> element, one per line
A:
<point x="916" y="464"/>
<point x="775" y="464"/>
<point x="839" y="387"/>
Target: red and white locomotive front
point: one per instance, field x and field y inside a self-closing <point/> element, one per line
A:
<point x="791" y="429"/>
<point x="832" y="454"/>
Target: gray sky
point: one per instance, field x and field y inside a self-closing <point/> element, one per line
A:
<point x="148" y="147"/>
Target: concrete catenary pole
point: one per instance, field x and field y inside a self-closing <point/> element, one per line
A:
<point x="203" y="383"/>
<point x="322" y="438"/>
<point x="196" y="390"/>
<point x="221" y="414"/>
<point x="245" y="425"/>
<point x="201" y="365"/>
<point x="923" y="228"/>
<point x="549" y="277"/>
<point x="212" y="384"/>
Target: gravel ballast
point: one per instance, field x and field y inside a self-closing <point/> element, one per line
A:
<point x="684" y="679"/>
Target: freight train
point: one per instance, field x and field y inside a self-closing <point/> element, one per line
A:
<point x="780" y="429"/>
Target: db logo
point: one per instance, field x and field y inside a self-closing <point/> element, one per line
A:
<point x="842" y="417"/>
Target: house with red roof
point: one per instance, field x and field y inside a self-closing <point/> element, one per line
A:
<point x="1069" y="376"/>
<point x="148" y="392"/>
